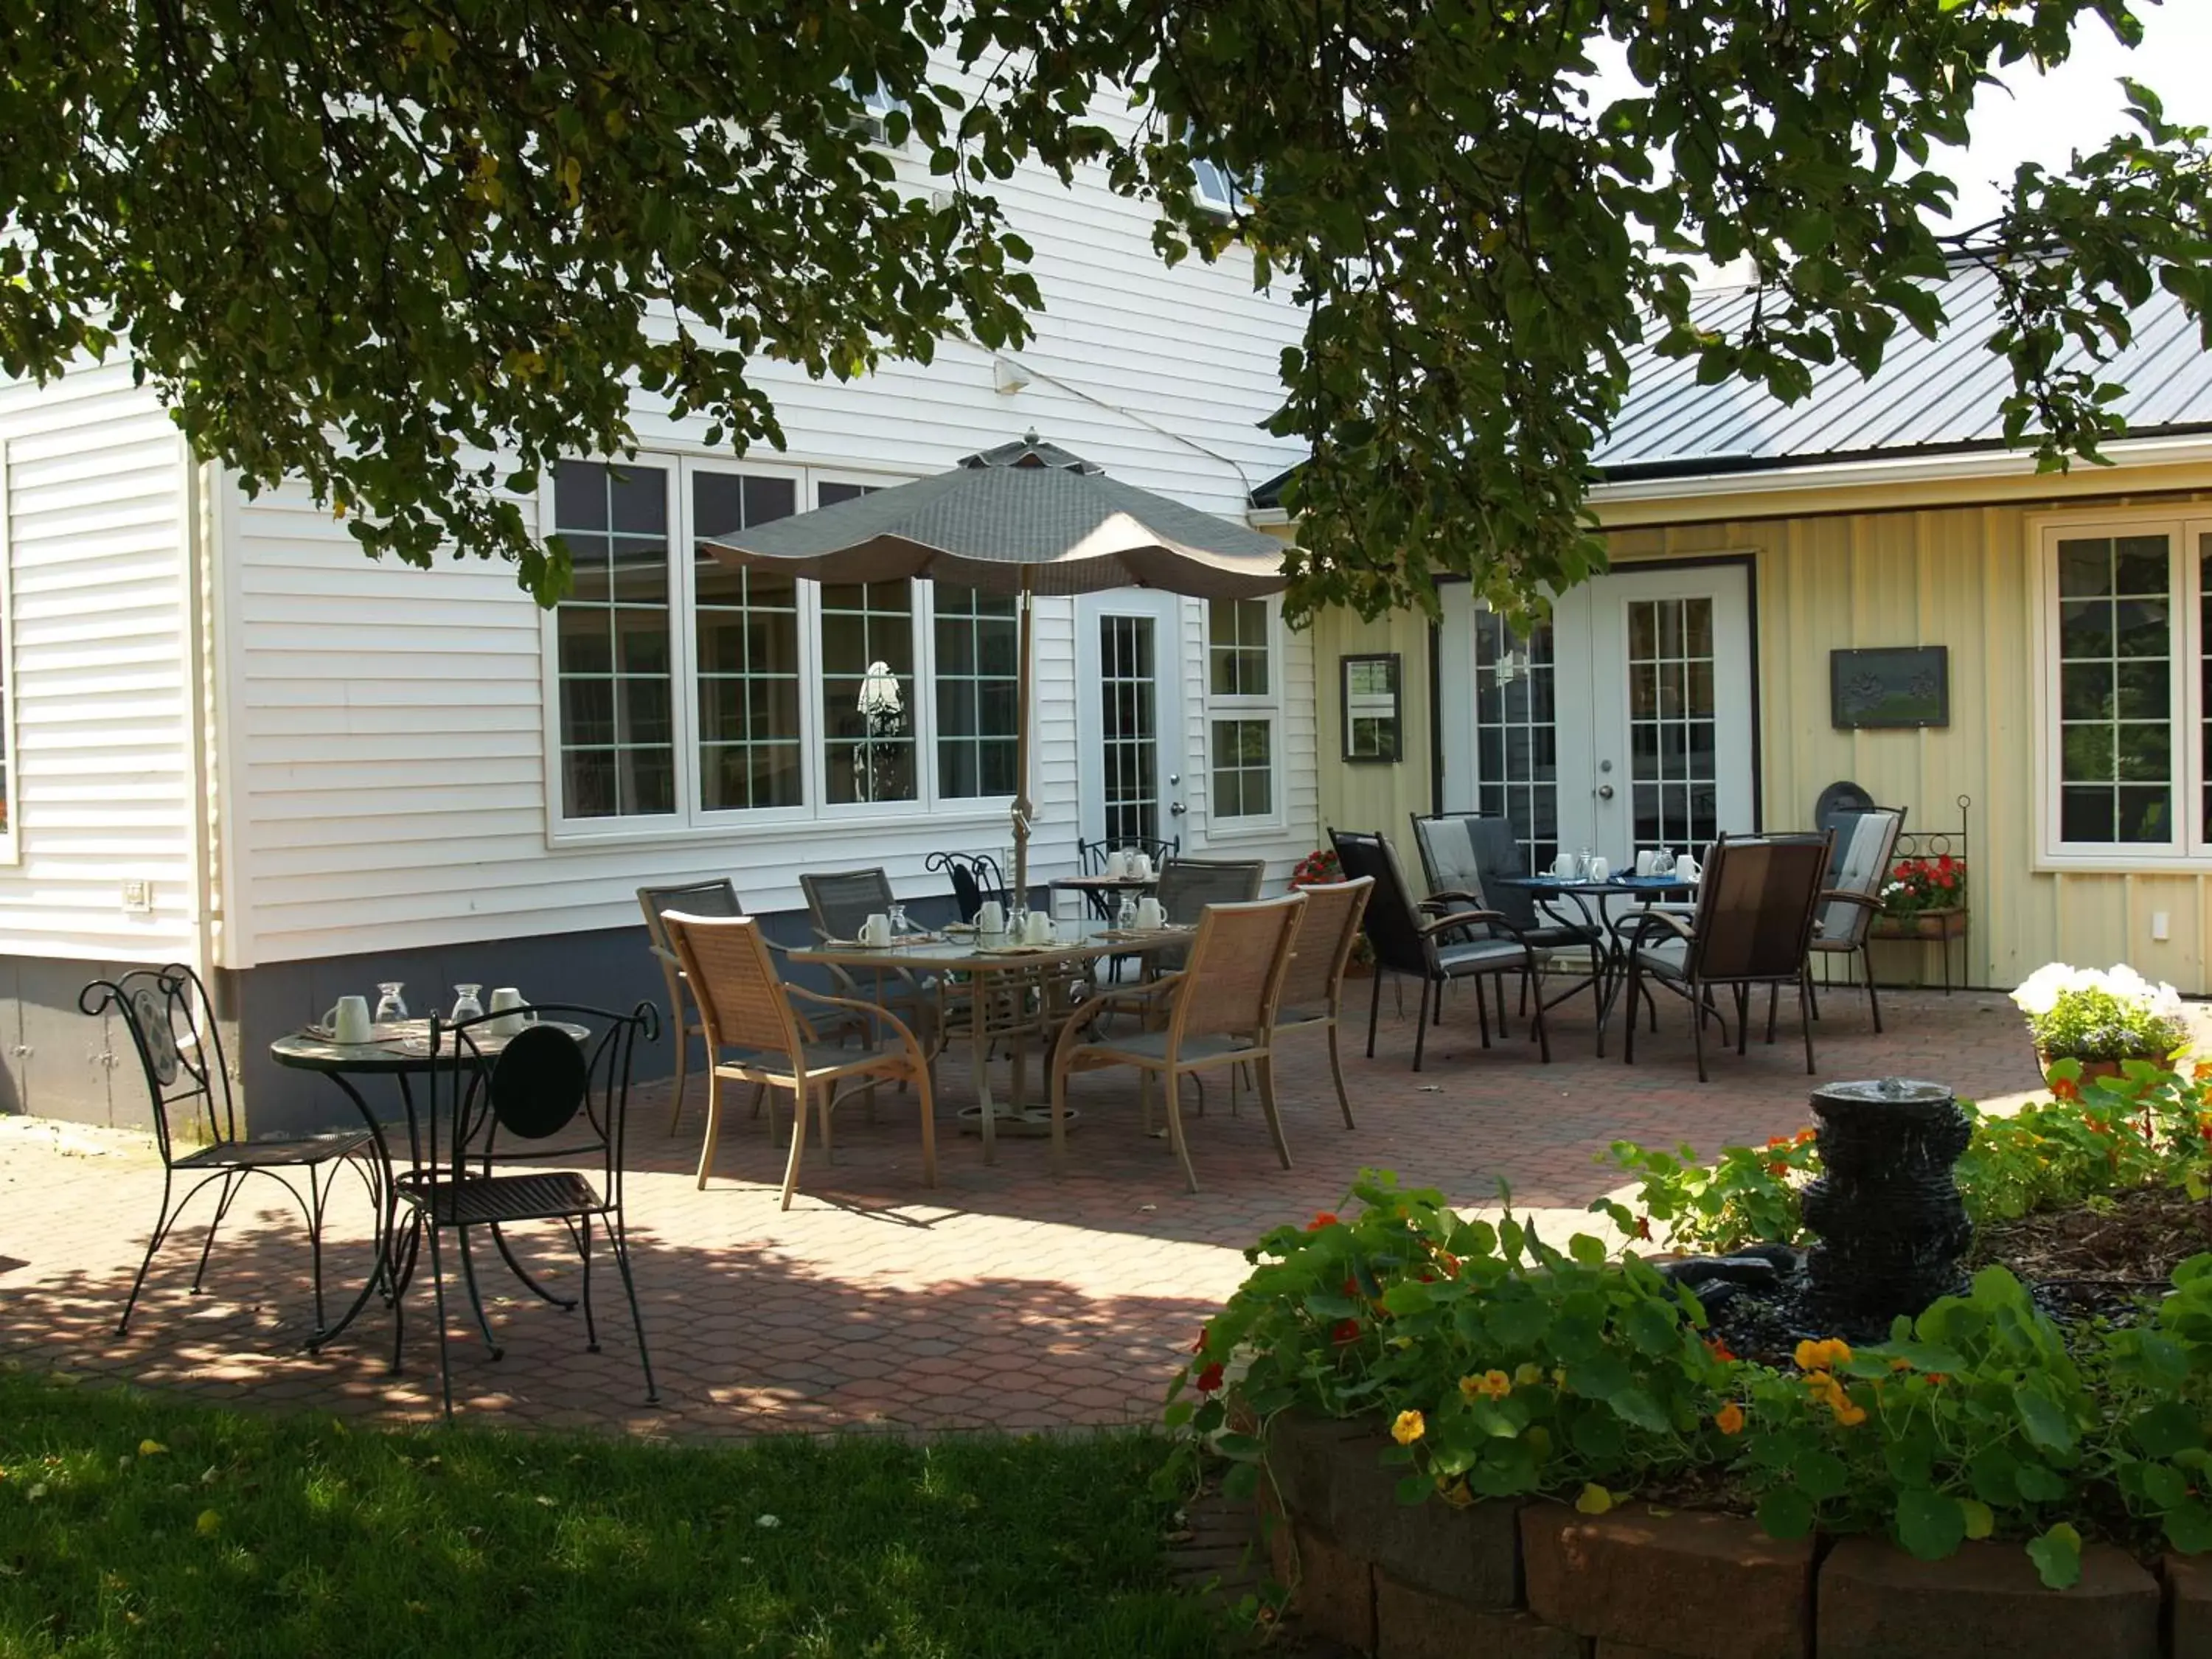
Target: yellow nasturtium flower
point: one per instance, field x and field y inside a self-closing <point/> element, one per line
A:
<point x="1409" y="1427"/>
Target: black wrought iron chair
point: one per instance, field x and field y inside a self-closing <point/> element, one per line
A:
<point x="1866" y="842"/>
<point x="544" y="1097"/>
<point x="196" y="1126"/>
<point x="1753" y="926"/>
<point x="977" y="879"/>
<point x="695" y="898"/>
<point x="1092" y="854"/>
<point x="1433" y="949"/>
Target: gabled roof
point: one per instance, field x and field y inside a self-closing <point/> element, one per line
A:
<point x="1930" y="396"/>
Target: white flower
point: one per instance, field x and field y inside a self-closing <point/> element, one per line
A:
<point x="2039" y="992"/>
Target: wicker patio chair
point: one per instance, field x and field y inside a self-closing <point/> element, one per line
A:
<point x="1407" y="941"/>
<point x="698" y="898"/>
<point x="1188" y="886"/>
<point x="544" y="1097"/>
<point x="1845" y="923"/>
<point x="759" y="1037"/>
<point x="1753" y="926"/>
<point x="1312" y="995"/>
<point x="837" y="904"/>
<point x="1218" y="1011"/>
<point x="196" y="1127"/>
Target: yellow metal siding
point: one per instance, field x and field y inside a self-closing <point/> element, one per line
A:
<point x="1367" y="795"/>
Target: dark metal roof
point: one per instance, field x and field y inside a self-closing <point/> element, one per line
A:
<point x="1928" y="397"/>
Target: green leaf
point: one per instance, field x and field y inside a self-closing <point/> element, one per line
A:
<point x="2166" y="1429"/>
<point x="2057" y="1557"/>
<point x="2189" y="1528"/>
<point x="1600" y="1377"/>
<point x="1415" y="1489"/>
<point x="1634" y="1405"/>
<point x="1930" y="1525"/>
<point x="2043" y="1418"/>
<point x="2038" y="1483"/>
<point x="1785" y="1512"/>
<point x="1822" y="1475"/>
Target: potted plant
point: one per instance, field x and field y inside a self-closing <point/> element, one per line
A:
<point x="1319" y="868"/>
<point x="1921" y="896"/>
<point x="2101" y="1018"/>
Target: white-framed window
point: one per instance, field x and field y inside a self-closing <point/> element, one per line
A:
<point x="1216" y="188"/>
<point x="1244" y="687"/>
<point x="2125" y="655"/>
<point x="687" y="694"/>
<point x="877" y="107"/>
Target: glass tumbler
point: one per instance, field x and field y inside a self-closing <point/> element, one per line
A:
<point x="467" y="1003"/>
<point x="389" y="1007"/>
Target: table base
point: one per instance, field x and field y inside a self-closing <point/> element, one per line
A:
<point x="1024" y="1122"/>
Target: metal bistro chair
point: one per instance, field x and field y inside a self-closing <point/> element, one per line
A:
<point x="1753" y="926"/>
<point x="1189" y="886"/>
<point x="1867" y="841"/>
<point x="1312" y="997"/>
<point x="1092" y="854"/>
<point x="698" y="898"/>
<point x="975" y="878"/>
<point x="1407" y="942"/>
<point x="542" y="1096"/>
<point x="761" y="1038"/>
<point x="1218" y="1011"/>
<point x="195" y="1122"/>
<point x="837" y="904"/>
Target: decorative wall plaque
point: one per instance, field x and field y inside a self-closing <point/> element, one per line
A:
<point x="1893" y="686"/>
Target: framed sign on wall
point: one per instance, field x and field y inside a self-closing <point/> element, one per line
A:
<point x="1892" y="686"/>
<point x="1372" y="700"/>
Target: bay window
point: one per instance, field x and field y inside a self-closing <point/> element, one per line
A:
<point x="1243" y="705"/>
<point x="2128" y="689"/>
<point x="685" y="693"/>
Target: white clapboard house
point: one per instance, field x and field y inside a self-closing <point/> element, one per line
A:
<point x="232" y="740"/>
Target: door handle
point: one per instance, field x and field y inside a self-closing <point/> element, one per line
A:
<point x="1605" y="792"/>
<point x="1176" y="809"/>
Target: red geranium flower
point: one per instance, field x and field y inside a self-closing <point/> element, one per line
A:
<point x="1322" y="1218"/>
<point x="1347" y="1330"/>
<point x="1210" y="1378"/>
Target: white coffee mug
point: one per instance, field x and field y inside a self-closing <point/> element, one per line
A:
<point x="876" y="931"/>
<point x="506" y="1003"/>
<point x="349" y="1020"/>
<point x="1563" y="867"/>
<point x="1149" y="914"/>
<point x="1601" y="870"/>
<point x="1117" y="865"/>
<point x="991" y="917"/>
<point x="1685" y="868"/>
<point x="1645" y="861"/>
<point x="1140" y="866"/>
<point x="1039" y="931"/>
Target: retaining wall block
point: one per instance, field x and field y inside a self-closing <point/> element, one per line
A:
<point x="2188" y="1605"/>
<point x="1335" y="1594"/>
<point x="1878" y="1602"/>
<point x="1411" y="1624"/>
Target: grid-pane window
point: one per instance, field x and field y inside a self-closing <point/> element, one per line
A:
<point x="747" y="625"/>
<point x="1243" y="769"/>
<point x="978" y="643"/>
<point x="613" y="660"/>
<point x="2115" y="636"/>
<point x="1517" y="735"/>
<point x="1674" y="762"/>
<point x="867" y="692"/>
<point x="1237" y="636"/>
<point x="1129" y="708"/>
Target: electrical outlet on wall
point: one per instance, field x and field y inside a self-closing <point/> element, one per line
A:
<point x="2158" y="924"/>
<point x="138" y="898"/>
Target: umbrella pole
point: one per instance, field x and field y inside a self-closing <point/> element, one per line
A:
<point x="1025" y="607"/>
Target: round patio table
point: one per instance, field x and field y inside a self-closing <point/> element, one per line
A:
<point x="1597" y="925"/>
<point x="400" y="1049"/>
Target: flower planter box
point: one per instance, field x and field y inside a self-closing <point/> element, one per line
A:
<point x="1506" y="1580"/>
<point x="1937" y="924"/>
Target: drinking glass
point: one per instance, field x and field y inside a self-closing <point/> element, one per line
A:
<point x="466" y="1003"/>
<point x="390" y="1008"/>
<point x="898" y="917"/>
<point x="1125" y="914"/>
<point x="1663" y="864"/>
<point x="1582" y="863"/>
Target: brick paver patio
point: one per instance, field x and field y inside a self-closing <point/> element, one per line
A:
<point x="1005" y="1297"/>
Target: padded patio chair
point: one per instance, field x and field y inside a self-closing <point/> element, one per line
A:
<point x="1218" y="1011"/>
<point x="196" y="1128"/>
<point x="760" y="1037"/>
<point x="1465" y="859"/>
<point x="544" y="1097"/>
<point x="975" y="878"/>
<point x="698" y="898"/>
<point x="1312" y="997"/>
<point x="1753" y="926"/>
<point x="1852" y="899"/>
<point x="1433" y="949"/>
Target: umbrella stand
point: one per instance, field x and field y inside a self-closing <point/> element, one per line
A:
<point x="1026" y="610"/>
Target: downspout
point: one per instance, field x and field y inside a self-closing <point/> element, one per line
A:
<point x="203" y="589"/>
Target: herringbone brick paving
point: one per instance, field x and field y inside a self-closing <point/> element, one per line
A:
<point x="1005" y="1297"/>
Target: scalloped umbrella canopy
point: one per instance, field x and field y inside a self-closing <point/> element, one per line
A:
<point x="1026" y="518"/>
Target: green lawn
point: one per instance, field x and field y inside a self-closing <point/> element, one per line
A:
<point x="134" y="1524"/>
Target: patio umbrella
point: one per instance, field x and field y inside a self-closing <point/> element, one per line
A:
<point x="1025" y="518"/>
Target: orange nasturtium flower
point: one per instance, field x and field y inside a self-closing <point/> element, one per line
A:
<point x="1409" y="1427"/>
<point x="1730" y="1418"/>
<point x="1322" y="1218"/>
<point x="1820" y="1356"/>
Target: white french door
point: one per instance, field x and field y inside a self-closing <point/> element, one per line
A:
<point x="1624" y="723"/>
<point x="1128" y="655"/>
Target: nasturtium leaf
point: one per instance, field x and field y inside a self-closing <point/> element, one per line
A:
<point x="2166" y="1429"/>
<point x="1821" y="1475"/>
<point x="1785" y="1512"/>
<point x="2037" y="1483"/>
<point x="2057" y="1555"/>
<point x="1981" y="1520"/>
<point x="1929" y="1524"/>
<point x="2044" y="1419"/>
<point x="1634" y="1405"/>
<point x="2189" y="1528"/>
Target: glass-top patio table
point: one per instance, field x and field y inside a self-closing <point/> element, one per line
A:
<point x="1589" y="898"/>
<point x="1000" y="971"/>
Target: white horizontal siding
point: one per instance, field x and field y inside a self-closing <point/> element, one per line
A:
<point x="102" y="785"/>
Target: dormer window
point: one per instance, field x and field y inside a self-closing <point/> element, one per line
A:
<point x="1216" y="188"/>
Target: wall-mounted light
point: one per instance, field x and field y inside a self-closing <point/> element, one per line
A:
<point x="1008" y="376"/>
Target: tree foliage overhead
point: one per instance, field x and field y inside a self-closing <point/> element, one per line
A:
<point x="374" y="242"/>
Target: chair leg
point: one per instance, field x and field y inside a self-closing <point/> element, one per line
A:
<point x="1699" y="994"/>
<point x="438" y="1291"/>
<point x="824" y="1102"/>
<point x="714" y="1125"/>
<point x="1543" y="1032"/>
<point x="1336" y="1072"/>
<point x="1058" y="1093"/>
<point x="232" y="1180"/>
<point x="1421" y="1022"/>
<point x="925" y="1093"/>
<point x="618" y="1241"/>
<point x="160" y="1229"/>
<point x="1175" y="1128"/>
<point x="1628" y="1033"/>
<point x="1481" y="1009"/>
<point x="682" y="1060"/>
<point x="1816" y="1001"/>
<point x="1773" y="996"/>
<point x="476" y="1296"/>
<point x="317" y="1193"/>
<point x="1374" y="1007"/>
<point x="1804" y="1014"/>
<point x="1497" y="987"/>
<point x="1265" y="1065"/>
<point x="565" y="1304"/>
<point x="801" y="1097"/>
<point x="1874" y="1002"/>
<point x="584" y="1249"/>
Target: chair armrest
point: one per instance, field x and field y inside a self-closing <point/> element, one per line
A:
<point x="1837" y="895"/>
<point x="1633" y="927"/>
<point x="1150" y="990"/>
<point x="866" y="1009"/>
<point x="1444" y="897"/>
<point x="1471" y="919"/>
<point x="668" y="957"/>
